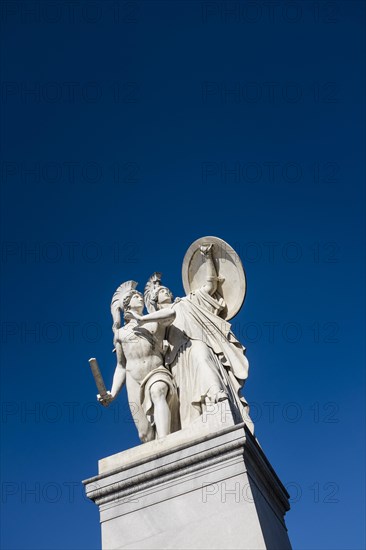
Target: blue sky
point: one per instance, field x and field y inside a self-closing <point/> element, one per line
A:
<point x="129" y="130"/>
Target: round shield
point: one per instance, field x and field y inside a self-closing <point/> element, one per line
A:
<point x="232" y="283"/>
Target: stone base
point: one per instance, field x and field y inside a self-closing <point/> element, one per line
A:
<point x="209" y="486"/>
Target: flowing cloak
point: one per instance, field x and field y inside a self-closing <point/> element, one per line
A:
<point x="198" y="368"/>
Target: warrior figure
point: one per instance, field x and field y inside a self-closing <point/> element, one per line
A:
<point x="139" y="346"/>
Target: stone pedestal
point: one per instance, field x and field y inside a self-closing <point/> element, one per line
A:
<point x="209" y="486"/>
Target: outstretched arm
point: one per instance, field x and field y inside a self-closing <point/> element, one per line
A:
<point x="163" y="316"/>
<point x="119" y="377"/>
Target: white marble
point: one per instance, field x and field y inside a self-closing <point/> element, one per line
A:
<point x="181" y="357"/>
<point x="216" y="490"/>
<point x="206" y="360"/>
<point x="201" y="480"/>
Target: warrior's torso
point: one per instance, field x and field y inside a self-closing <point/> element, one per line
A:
<point x="142" y="347"/>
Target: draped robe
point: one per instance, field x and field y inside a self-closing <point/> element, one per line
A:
<point x="206" y="360"/>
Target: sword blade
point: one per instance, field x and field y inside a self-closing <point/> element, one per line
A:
<point x="98" y="377"/>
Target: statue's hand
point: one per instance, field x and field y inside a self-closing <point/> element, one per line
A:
<point x="106" y="399"/>
<point x="132" y="315"/>
<point x="206" y="249"/>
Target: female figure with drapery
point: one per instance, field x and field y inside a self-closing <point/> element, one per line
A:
<point x="206" y="360"/>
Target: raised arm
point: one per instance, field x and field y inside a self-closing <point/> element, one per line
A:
<point x="211" y="276"/>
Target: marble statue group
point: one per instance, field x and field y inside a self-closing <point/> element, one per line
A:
<point x="180" y="357"/>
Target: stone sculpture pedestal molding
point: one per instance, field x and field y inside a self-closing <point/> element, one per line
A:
<point x="210" y="486"/>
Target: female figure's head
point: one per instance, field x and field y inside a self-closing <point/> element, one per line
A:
<point x="156" y="295"/>
<point x="161" y="295"/>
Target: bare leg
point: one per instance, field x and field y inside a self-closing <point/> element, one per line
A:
<point x="145" y="430"/>
<point x="162" y="415"/>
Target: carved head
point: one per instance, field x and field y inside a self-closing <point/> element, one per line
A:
<point x="126" y="297"/>
<point x="133" y="300"/>
<point x="156" y="294"/>
<point x="161" y="295"/>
